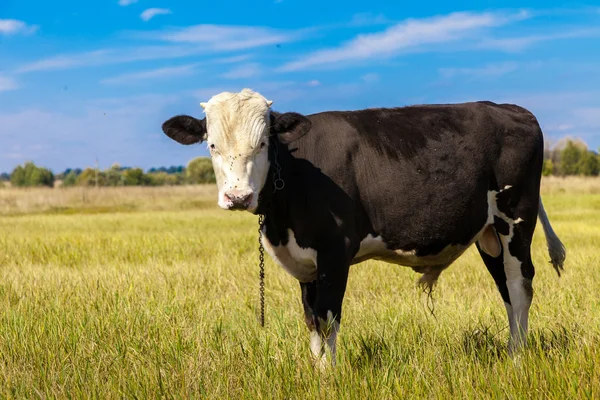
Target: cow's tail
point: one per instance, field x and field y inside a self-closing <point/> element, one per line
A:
<point x="556" y="249"/>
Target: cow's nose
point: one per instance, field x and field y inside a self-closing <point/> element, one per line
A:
<point x="239" y="199"/>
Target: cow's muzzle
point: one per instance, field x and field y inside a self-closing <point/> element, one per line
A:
<point x="238" y="200"/>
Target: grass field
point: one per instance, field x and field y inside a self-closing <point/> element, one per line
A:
<point x="153" y="292"/>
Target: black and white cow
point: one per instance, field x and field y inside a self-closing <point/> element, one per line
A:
<point x="414" y="186"/>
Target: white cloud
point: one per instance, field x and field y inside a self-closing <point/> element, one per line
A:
<point x="243" y="71"/>
<point x="489" y="70"/>
<point x="370" y="78"/>
<point x="7" y="84"/>
<point x="406" y="36"/>
<point x="159" y="73"/>
<point x="119" y="56"/>
<point x="124" y="3"/>
<point x="313" y="83"/>
<point x="13" y="27"/>
<point x="225" y="37"/>
<point x="523" y="42"/>
<point x="66" y="61"/>
<point x="150" y="13"/>
<point x="184" y="42"/>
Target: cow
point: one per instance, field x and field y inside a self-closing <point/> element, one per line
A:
<point x="414" y="186"/>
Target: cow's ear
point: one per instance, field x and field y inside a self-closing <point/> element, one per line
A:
<point x="185" y="129"/>
<point x="289" y="126"/>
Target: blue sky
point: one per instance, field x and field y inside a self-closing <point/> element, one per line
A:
<point x="80" y="80"/>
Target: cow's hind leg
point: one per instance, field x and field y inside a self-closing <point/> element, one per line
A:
<point x="519" y="272"/>
<point x="495" y="266"/>
<point x="512" y="269"/>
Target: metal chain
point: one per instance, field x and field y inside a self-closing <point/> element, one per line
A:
<point x="261" y="258"/>
<point x="278" y="184"/>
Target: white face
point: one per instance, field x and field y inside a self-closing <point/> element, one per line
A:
<point x="237" y="128"/>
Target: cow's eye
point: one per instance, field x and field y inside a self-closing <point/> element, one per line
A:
<point x="262" y="145"/>
<point x="212" y="146"/>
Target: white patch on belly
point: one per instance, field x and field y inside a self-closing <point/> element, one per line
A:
<point x="370" y="245"/>
<point x="373" y="247"/>
<point x="300" y="254"/>
<point x="298" y="261"/>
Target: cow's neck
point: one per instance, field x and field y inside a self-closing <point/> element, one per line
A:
<point x="273" y="201"/>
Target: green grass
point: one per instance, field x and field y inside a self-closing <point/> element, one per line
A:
<point x="155" y="294"/>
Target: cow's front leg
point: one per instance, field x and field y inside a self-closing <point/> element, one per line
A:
<point x="326" y="296"/>
<point x="317" y="333"/>
<point x="309" y="295"/>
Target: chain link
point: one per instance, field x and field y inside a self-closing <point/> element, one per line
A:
<point x="278" y="184"/>
<point x="261" y="258"/>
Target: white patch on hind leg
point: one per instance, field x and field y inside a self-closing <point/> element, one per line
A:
<point x="316" y="342"/>
<point x="520" y="299"/>
<point x="511" y="317"/>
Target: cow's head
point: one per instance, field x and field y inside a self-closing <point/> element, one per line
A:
<point x="237" y="129"/>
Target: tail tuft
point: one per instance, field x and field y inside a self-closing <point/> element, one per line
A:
<point x="556" y="249"/>
<point x="426" y="283"/>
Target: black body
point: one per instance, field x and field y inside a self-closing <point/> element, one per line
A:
<point x="416" y="176"/>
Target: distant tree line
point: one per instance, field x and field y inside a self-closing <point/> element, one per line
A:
<point x="198" y="170"/>
<point x="567" y="157"/>
<point x="571" y="157"/>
